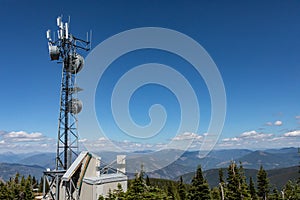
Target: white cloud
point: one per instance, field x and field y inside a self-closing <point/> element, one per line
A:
<point x="255" y="135"/>
<point x="260" y="140"/>
<point x="248" y="139"/>
<point x="187" y="136"/>
<point x="2" y="133"/>
<point x="137" y="145"/>
<point x="82" y="140"/>
<point x="295" y="133"/>
<point x="21" y="141"/>
<point x="22" y="136"/>
<point x="149" y="145"/>
<point x="269" y="124"/>
<point x="102" y="139"/>
<point x="298" y="118"/>
<point x="276" y="138"/>
<point x="234" y="139"/>
<point x="178" y="142"/>
<point x="248" y="134"/>
<point x="278" y="123"/>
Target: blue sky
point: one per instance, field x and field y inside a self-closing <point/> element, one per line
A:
<point x="255" y="45"/>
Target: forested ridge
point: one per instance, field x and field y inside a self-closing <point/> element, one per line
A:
<point x="20" y="188"/>
<point x="232" y="186"/>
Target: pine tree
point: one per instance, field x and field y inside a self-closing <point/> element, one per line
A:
<point x="14" y="188"/>
<point x="252" y="189"/>
<point x="237" y="187"/>
<point x="138" y="190"/>
<point x="110" y="196"/>
<point x="215" y="194"/>
<point x="233" y="183"/>
<point x="292" y="191"/>
<point x="245" y="193"/>
<point x="16" y="179"/>
<point x="221" y="176"/>
<point x="101" y="197"/>
<point x="199" y="189"/>
<point x="221" y="184"/>
<point x="119" y="193"/>
<point x="28" y="193"/>
<point x="34" y="181"/>
<point x="154" y="193"/>
<point x="138" y="186"/>
<point x="170" y="192"/>
<point x="23" y="181"/>
<point x="4" y="194"/>
<point x="181" y="189"/>
<point x="274" y="195"/>
<point x="22" y="188"/>
<point x="147" y="180"/>
<point x="262" y="184"/>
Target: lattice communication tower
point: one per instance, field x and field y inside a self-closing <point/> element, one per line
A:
<point x="64" y="50"/>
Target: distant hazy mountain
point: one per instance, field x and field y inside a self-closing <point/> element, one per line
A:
<point x="169" y="164"/>
<point x="46" y="160"/>
<point x="271" y="160"/>
<point x="9" y="157"/>
<point x="282" y="151"/>
<point x="189" y="161"/>
<point x="8" y="170"/>
<point x="215" y="159"/>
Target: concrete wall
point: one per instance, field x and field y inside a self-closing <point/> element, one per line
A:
<point x="92" y="192"/>
<point x="91" y="169"/>
<point x="86" y="192"/>
<point x="104" y="188"/>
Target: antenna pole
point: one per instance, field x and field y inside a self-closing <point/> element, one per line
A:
<point x="66" y="128"/>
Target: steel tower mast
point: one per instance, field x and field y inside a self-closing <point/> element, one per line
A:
<point x="64" y="50"/>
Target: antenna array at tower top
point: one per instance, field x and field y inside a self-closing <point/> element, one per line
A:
<point x="65" y="38"/>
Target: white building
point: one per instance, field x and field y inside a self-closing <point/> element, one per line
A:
<point x="86" y="180"/>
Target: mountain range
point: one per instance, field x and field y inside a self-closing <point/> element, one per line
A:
<point x="165" y="164"/>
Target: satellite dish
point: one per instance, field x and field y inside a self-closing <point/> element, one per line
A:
<point x="75" y="106"/>
<point x="76" y="63"/>
<point x="54" y="52"/>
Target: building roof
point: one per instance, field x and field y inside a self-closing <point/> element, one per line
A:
<point x="94" y="180"/>
<point x="75" y="165"/>
<point x="105" y="178"/>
